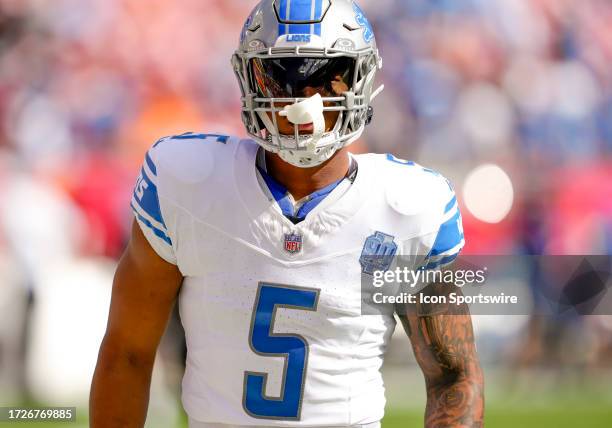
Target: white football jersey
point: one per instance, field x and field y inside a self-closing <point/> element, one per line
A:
<point x="272" y="309"/>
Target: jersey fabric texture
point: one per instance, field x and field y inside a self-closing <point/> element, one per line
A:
<point x="277" y="338"/>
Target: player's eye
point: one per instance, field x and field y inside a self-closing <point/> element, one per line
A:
<point x="288" y="77"/>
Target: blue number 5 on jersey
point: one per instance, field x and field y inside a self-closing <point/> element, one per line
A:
<point x="265" y="342"/>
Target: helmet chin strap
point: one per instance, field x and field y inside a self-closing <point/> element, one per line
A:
<point x="308" y="111"/>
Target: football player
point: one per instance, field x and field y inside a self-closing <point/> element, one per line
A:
<point x="264" y="242"/>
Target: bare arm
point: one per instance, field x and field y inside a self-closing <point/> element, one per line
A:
<point x="144" y="291"/>
<point x="443" y="343"/>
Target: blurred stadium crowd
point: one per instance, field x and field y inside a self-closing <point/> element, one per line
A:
<point x="510" y="99"/>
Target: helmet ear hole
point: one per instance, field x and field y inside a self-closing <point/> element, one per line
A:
<point x="370" y="115"/>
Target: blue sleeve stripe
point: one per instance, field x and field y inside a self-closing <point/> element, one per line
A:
<point x="190" y="137"/>
<point x="456" y="249"/>
<point x="155" y="230"/>
<point x="149" y="201"/>
<point x="449" y="236"/>
<point x="138" y="209"/>
<point x="223" y="139"/>
<point x="450" y="214"/>
<point x="150" y="164"/>
<point x="442" y="262"/>
<point x="161" y="140"/>
<point x="392" y="158"/>
<point x="148" y="180"/>
<point x="450" y="205"/>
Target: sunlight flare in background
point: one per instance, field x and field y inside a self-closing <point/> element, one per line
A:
<point x="488" y="193"/>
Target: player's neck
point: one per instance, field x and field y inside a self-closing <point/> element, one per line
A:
<point x="301" y="182"/>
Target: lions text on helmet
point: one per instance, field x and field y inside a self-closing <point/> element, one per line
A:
<point x="306" y="69"/>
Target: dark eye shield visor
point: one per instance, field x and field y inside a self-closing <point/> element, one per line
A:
<point x="288" y="77"/>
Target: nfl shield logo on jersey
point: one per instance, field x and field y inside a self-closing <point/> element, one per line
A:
<point x="378" y="252"/>
<point x="293" y="243"/>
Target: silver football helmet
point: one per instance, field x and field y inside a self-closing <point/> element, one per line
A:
<point x="292" y="49"/>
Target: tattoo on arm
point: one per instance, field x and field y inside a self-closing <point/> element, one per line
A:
<point x="443" y="343"/>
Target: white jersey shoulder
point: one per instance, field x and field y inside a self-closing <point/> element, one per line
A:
<point x="175" y="171"/>
<point x="414" y="189"/>
<point x="427" y="201"/>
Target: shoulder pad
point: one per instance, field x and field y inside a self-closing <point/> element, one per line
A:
<point x="412" y="189"/>
<point x="191" y="158"/>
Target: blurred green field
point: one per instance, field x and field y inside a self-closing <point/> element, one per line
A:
<point x="555" y="417"/>
<point x="496" y="417"/>
<point x="538" y="398"/>
<point x="583" y="416"/>
<point x="534" y="398"/>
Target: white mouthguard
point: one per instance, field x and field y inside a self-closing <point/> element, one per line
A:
<point x="308" y="111"/>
